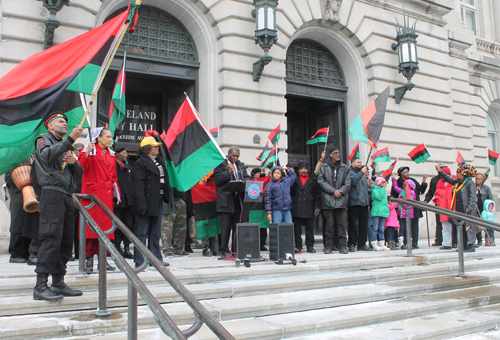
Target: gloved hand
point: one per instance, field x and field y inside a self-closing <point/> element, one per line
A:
<point x="141" y="212"/>
<point x="317" y="212"/>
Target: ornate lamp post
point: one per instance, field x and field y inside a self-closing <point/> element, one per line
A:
<point x="265" y="34"/>
<point x="52" y="23"/>
<point x="407" y="53"/>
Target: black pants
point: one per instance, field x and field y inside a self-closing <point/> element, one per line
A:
<point x="18" y="245"/>
<point x="335" y="218"/>
<point x="358" y="214"/>
<point x="126" y="215"/>
<point x="414" y="230"/>
<point x="308" y="223"/>
<point x="228" y="224"/>
<point x="263" y="237"/>
<point x="76" y="234"/>
<point x="56" y="232"/>
<point x="439" y="231"/>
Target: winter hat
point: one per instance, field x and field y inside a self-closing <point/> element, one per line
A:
<point x="379" y="181"/>
<point x="333" y="149"/>
<point x="254" y="171"/>
<point x="411" y="183"/>
<point x="401" y="169"/>
<point x="303" y="165"/>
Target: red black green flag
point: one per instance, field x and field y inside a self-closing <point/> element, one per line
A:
<point x="381" y="155"/>
<point x="460" y="158"/>
<point x="387" y="173"/>
<point x="319" y="137"/>
<point x="215" y="133"/>
<point x="206" y="217"/>
<point x="367" y="127"/>
<point x="193" y="150"/>
<point x="420" y="154"/>
<point x="275" y="135"/>
<point x="271" y="157"/>
<point x="354" y="153"/>
<point x="257" y="212"/>
<point x="265" y="152"/>
<point x="493" y="157"/>
<point x="117" y="109"/>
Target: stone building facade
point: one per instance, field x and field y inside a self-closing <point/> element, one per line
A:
<point x="331" y="59"/>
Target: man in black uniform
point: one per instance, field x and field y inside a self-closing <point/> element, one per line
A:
<point x="125" y="209"/>
<point x="56" y="206"/>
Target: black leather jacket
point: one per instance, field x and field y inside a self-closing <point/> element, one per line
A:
<point x="49" y="151"/>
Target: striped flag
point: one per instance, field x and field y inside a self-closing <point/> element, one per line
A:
<point x="265" y="152"/>
<point x="215" y="133"/>
<point x="117" y="109"/>
<point x="387" y="173"/>
<point x="492" y="157"/>
<point x="419" y="154"/>
<point x="354" y="153"/>
<point x="460" y="158"/>
<point x="275" y="135"/>
<point x="206" y="218"/>
<point x="271" y="157"/>
<point x="319" y="137"/>
<point x="381" y="155"/>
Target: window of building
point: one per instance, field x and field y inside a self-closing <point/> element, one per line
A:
<point x="492" y="140"/>
<point x="468" y="12"/>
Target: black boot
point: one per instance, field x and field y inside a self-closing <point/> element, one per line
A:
<point x="119" y="248"/>
<point x="89" y="265"/>
<point x="32" y="259"/>
<point x="128" y="254"/>
<point x="42" y="291"/>
<point x="59" y="287"/>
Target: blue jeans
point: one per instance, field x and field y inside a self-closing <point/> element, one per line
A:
<point x="284" y="216"/>
<point x="148" y="229"/>
<point x="377" y="229"/>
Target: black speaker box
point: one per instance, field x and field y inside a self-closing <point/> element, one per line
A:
<point x="248" y="241"/>
<point x="281" y="241"/>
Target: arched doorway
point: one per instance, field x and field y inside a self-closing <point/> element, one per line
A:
<point x="316" y="98"/>
<point x="162" y="64"/>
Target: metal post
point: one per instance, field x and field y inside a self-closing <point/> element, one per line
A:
<point x="132" y="312"/>
<point x="102" y="310"/>
<point x="81" y="250"/>
<point x="461" y="270"/>
<point x="408" y="232"/>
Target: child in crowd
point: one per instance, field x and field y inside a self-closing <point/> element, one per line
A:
<point x="391" y="223"/>
<point x="379" y="212"/>
<point x="408" y="189"/>
<point x="277" y="198"/>
<point x="489" y="215"/>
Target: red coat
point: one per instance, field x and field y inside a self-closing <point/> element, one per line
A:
<point x="442" y="197"/>
<point x="99" y="174"/>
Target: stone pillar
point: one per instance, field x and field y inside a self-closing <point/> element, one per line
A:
<point x="496" y="18"/>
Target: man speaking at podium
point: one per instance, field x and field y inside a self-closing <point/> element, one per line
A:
<point x="229" y="203"/>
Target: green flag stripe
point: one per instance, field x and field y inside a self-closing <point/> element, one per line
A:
<point x="207" y="228"/>
<point x="357" y="131"/>
<point x="422" y="158"/>
<point x="258" y="216"/>
<point x="382" y="159"/>
<point x="84" y="81"/>
<point x="317" y="140"/>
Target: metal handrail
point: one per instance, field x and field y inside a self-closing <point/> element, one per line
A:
<point x="458" y="218"/>
<point x="166" y="324"/>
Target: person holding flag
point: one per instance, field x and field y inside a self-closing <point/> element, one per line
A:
<point x="56" y="206"/>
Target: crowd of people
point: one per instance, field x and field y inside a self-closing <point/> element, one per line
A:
<point x="355" y="208"/>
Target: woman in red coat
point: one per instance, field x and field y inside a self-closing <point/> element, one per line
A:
<point x="99" y="178"/>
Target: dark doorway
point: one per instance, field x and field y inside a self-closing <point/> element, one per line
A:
<point x="304" y="117"/>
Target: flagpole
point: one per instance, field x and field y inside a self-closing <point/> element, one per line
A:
<point x="121" y="92"/>
<point x="327" y="133"/>
<point x="368" y="158"/>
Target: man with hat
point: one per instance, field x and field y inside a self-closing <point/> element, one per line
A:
<point x="151" y="188"/>
<point x="438" y="241"/>
<point x="306" y="205"/>
<point x="56" y="207"/>
<point x="335" y="182"/>
<point x="124" y="209"/>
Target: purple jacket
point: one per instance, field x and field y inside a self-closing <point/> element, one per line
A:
<point x="401" y="210"/>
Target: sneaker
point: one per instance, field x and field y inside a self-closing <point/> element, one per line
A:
<point x="298" y="251"/>
<point x="344" y="251"/>
<point x="207" y="253"/>
<point x="364" y="248"/>
<point x="181" y="253"/>
<point x="352" y="248"/>
<point x="445" y="248"/>
<point x="328" y="250"/>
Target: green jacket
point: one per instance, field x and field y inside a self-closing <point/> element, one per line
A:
<point x="379" y="202"/>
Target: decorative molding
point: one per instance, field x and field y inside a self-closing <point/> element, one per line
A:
<point x="488" y="47"/>
<point x="331" y="10"/>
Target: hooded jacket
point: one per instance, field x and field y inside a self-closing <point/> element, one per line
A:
<point x="397" y="189"/>
<point x="380" y="206"/>
<point x="277" y="195"/>
<point x="442" y="197"/>
<point x="392" y="220"/>
<point x="358" y="195"/>
<point x="326" y="183"/>
<point x="486" y="214"/>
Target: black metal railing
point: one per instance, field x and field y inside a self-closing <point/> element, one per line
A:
<point x="458" y="218"/>
<point x="135" y="284"/>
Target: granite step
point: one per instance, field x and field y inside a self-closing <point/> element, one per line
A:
<point x="290" y="313"/>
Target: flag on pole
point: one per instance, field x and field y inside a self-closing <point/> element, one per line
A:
<point x="275" y="135"/>
<point x="419" y="154"/>
<point x="367" y="127"/>
<point x="460" y="158"/>
<point x="215" y="133"/>
<point x="319" y="137"/>
<point x="257" y="212"/>
<point x="265" y="152"/>
<point x="193" y="150"/>
<point x="207" y="220"/>
<point x="117" y="109"/>
<point x="381" y="155"/>
<point x="49" y="81"/>
<point x="493" y="157"/>
<point x="271" y="157"/>
<point x="354" y="153"/>
<point x="387" y="173"/>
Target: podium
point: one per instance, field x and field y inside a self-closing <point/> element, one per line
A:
<point x="247" y="234"/>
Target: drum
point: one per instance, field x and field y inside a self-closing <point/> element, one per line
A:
<point x="22" y="179"/>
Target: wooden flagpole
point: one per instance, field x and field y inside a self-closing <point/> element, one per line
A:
<point x="327" y="133"/>
<point x="368" y="158"/>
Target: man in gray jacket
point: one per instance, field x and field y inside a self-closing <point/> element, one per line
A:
<point x="334" y="180"/>
<point x="359" y="200"/>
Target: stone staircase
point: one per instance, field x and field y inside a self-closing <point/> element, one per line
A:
<point x="363" y="295"/>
